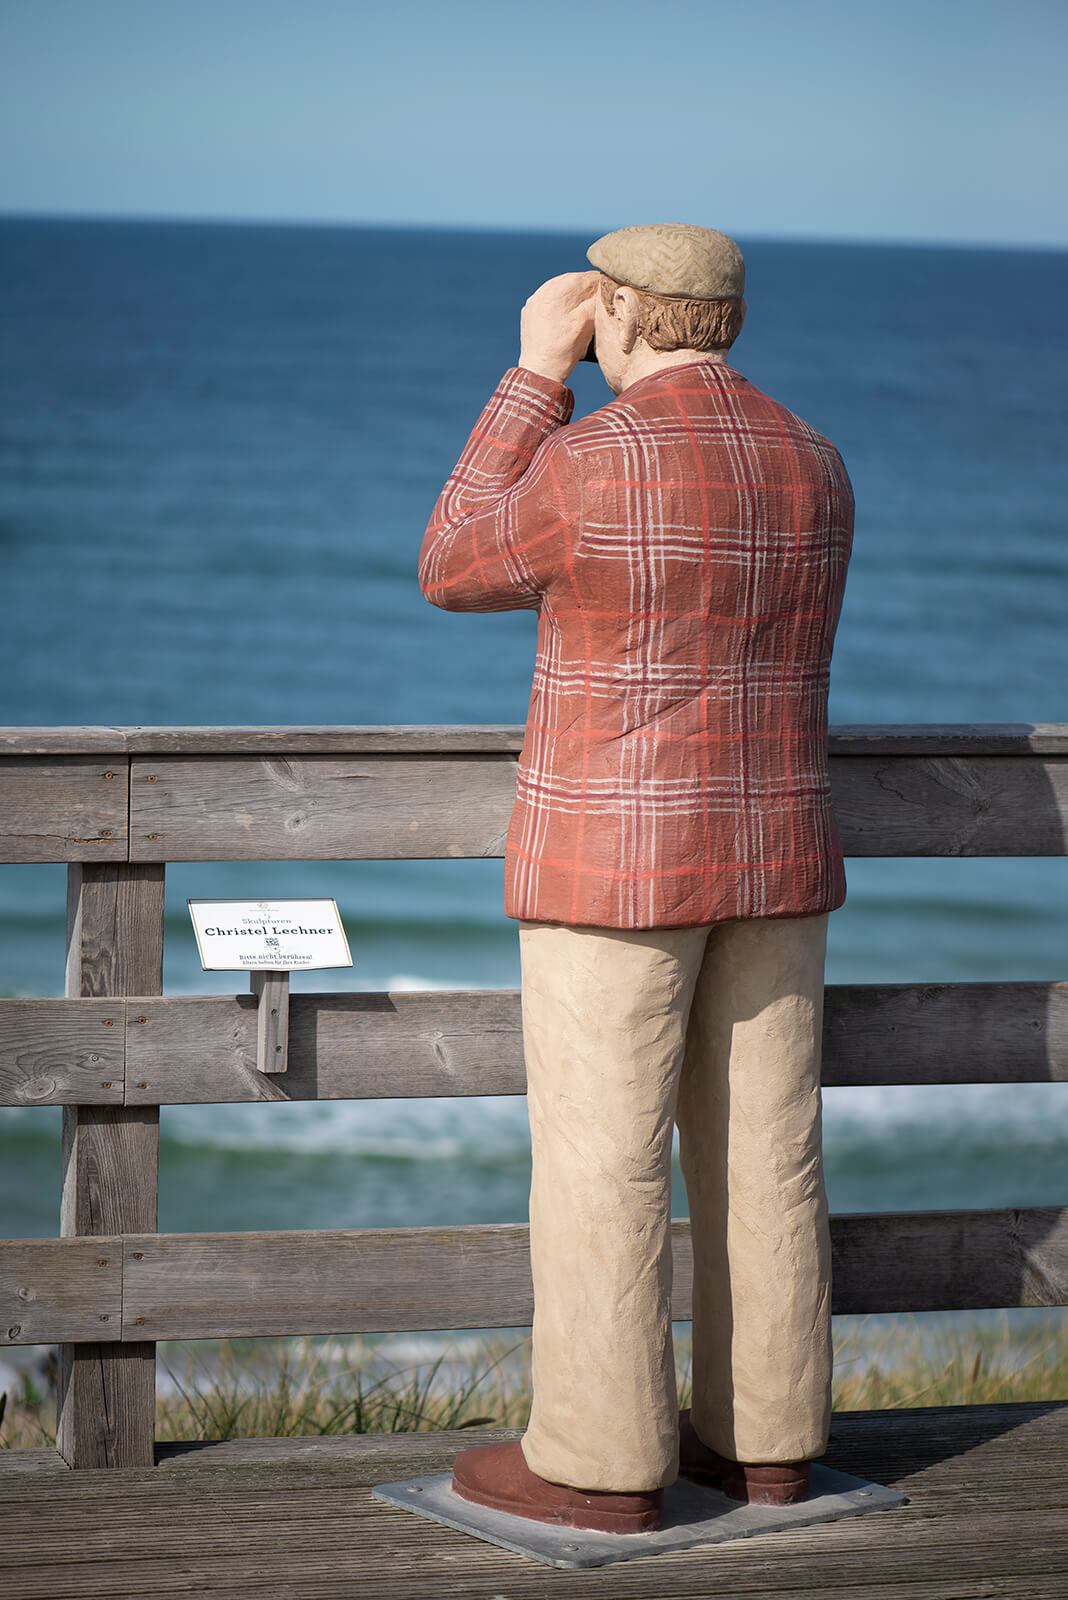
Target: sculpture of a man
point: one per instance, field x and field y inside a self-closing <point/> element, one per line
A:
<point x="671" y="859"/>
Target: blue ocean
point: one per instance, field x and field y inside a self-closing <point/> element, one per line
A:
<point x="219" y="447"/>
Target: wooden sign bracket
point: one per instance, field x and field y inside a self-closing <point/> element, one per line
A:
<point x="272" y="1023"/>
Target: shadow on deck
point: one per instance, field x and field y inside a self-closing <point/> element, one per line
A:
<point x="293" y="1519"/>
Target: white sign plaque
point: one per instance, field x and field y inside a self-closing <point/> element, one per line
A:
<point x="279" y="935"/>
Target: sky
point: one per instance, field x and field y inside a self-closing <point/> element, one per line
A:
<point x="931" y="120"/>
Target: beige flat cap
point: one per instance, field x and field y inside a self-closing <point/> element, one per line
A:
<point x="673" y="258"/>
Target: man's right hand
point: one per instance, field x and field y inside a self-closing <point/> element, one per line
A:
<point x="557" y="324"/>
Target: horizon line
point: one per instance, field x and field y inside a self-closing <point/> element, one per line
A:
<point x="172" y="219"/>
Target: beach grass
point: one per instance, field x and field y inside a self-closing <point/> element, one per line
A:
<point x="292" y="1387"/>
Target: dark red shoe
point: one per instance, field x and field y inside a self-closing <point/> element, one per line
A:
<point x="497" y="1476"/>
<point x="782" y="1485"/>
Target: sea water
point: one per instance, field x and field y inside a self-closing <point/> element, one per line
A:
<point x="219" y="447"/>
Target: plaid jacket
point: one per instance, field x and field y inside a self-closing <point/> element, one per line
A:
<point x="685" y="548"/>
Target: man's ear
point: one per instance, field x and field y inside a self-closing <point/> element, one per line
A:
<point x="626" y="311"/>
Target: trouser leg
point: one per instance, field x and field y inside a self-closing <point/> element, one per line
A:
<point x="750" y="1138"/>
<point x="604" y="1020"/>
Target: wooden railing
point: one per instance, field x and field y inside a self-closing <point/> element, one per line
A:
<point x="117" y="804"/>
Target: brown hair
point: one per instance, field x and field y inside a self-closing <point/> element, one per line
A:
<point x="672" y="322"/>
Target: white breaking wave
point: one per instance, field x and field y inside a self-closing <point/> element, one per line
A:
<point x="415" y="1130"/>
<point x="495" y="1127"/>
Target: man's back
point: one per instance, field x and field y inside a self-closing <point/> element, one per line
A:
<point x="679" y="696"/>
<point x="686" y="549"/>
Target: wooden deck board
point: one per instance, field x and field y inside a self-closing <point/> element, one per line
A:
<point x="293" y="1520"/>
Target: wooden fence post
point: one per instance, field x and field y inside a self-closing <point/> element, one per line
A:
<point x="107" y="1392"/>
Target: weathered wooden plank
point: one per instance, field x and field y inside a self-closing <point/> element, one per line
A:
<point x="447" y="791"/>
<point x="70" y="741"/>
<point x="110" y="1169"/>
<point x="189" y="1049"/>
<point x="983" y="738"/>
<point x="203" y="1050"/>
<point x="975" y="1437"/>
<point x="341" y="1046"/>
<point x="945" y="1033"/>
<point x="961" y="1261"/>
<point x="63" y="808"/>
<point x="107" y="1398"/>
<point x="18" y="1464"/>
<point x="106" y="1401"/>
<point x="56" y="1052"/>
<point x="52" y="1289"/>
<point x="320" y="807"/>
<point x="366" y="1281"/>
<point x="206" y="1286"/>
<point x="267" y="742"/>
<point x="387" y="1554"/>
<point x="357" y="1453"/>
<point x="951" y="805"/>
<point x="115" y="929"/>
<point x="416" y="806"/>
<point x="167" y="1542"/>
<point x="392" y="1556"/>
<point x="949" y="739"/>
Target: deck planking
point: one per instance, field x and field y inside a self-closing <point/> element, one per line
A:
<point x="292" y="1519"/>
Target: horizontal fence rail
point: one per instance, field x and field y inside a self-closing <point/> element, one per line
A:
<point x="335" y="794"/>
<point x="244" y="1285"/>
<point x="201" y="1049"/>
<point x="116" y="804"/>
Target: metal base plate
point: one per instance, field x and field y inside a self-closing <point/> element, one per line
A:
<point x="693" y="1515"/>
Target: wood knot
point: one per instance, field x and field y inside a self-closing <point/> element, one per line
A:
<point x="38" y="1089"/>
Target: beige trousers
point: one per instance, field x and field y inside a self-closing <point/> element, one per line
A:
<point x="625" y="1032"/>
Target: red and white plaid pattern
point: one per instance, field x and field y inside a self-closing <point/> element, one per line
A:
<point x="685" y="548"/>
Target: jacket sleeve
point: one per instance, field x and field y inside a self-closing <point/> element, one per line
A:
<point x="500" y="523"/>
